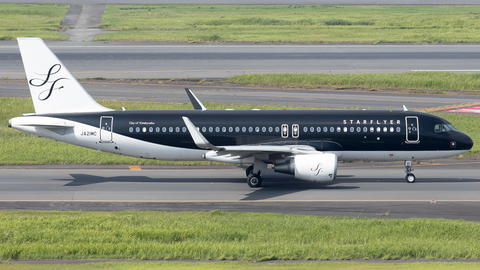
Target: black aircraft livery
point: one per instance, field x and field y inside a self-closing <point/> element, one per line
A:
<point x="307" y="143"/>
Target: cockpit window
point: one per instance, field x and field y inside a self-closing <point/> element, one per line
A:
<point x="444" y="128"/>
<point x="451" y="127"/>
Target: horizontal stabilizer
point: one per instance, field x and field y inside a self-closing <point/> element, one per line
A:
<point x="39" y="122"/>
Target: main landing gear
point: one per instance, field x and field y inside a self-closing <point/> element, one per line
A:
<point x="408" y="169"/>
<point x="253" y="179"/>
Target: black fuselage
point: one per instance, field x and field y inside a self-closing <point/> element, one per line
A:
<point x="326" y="130"/>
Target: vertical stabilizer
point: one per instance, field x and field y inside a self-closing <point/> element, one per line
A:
<point x="52" y="87"/>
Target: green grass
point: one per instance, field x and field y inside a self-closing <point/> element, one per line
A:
<point x="257" y="23"/>
<point x="228" y="236"/>
<point x="247" y="266"/>
<point x="292" y="23"/>
<point x="20" y="148"/>
<point x="441" y="81"/>
<point x="41" y="20"/>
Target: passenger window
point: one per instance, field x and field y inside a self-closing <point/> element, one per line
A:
<point x="204" y="129"/>
<point x="345" y="129"/>
<point x="325" y="129"/>
<point x="230" y="129"/>
<point x="150" y="129"/>
<point x="352" y="129"/>
<point x="250" y="129"/>
<point x="217" y="129"/>
<point x="157" y="129"/>
<point x="305" y="129"/>
<point x="372" y="129"/>
<point x="277" y="129"/>
<point x="319" y="129"/>
<point x="312" y="129"/>
<point x="244" y="129"/>
<point x="237" y="129"/>
<point x="130" y="129"/>
<point x="224" y="129"/>
<point x="399" y="129"/>
<point x="270" y="129"/>
<point x="177" y="129"/>
<point x="184" y="129"/>
<point x="164" y="129"/>
<point x="264" y="129"/>
<point x="332" y="129"/>
<point x="392" y="129"/>
<point x="210" y="129"/>
<point x="257" y="129"/>
<point x="359" y="129"/>
<point x="339" y="129"/>
<point x="170" y="129"/>
<point x="365" y="129"/>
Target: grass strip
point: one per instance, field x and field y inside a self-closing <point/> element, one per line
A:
<point x="440" y="81"/>
<point x="292" y="23"/>
<point x="247" y="266"/>
<point x="20" y="148"/>
<point x="39" y="20"/>
<point x="229" y="236"/>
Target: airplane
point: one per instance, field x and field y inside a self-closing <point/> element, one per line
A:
<point x="304" y="143"/>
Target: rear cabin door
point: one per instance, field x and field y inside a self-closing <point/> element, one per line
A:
<point x="106" y="128"/>
<point x="413" y="134"/>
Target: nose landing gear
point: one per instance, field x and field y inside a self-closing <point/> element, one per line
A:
<point x="408" y="169"/>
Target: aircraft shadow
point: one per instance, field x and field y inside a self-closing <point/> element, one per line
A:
<point x="272" y="181"/>
<point x="86" y="179"/>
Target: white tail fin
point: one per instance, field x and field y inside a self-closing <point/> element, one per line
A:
<point x="52" y="86"/>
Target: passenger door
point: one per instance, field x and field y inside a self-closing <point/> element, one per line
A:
<point x="412" y="130"/>
<point x="106" y="128"/>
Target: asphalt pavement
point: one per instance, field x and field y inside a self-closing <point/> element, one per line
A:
<point x="152" y="60"/>
<point x="444" y="189"/>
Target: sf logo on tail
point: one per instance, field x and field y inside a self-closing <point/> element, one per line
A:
<point x="45" y="94"/>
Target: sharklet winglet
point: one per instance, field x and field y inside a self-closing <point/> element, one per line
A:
<point x="197" y="104"/>
<point x="197" y="137"/>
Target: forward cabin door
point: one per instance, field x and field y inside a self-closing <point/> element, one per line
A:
<point x="413" y="134"/>
<point x="106" y="128"/>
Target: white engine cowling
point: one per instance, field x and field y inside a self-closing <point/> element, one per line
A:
<point x="313" y="167"/>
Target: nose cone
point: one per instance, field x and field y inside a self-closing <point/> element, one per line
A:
<point x="464" y="142"/>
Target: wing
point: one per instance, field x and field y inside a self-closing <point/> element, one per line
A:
<point x="242" y="153"/>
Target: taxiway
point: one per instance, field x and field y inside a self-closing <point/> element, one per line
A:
<point x="445" y="189"/>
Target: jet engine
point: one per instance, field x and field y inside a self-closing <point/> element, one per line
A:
<point x="311" y="167"/>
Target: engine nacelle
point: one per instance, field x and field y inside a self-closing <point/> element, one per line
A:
<point x="314" y="167"/>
